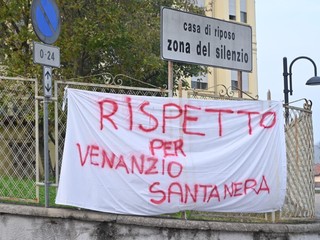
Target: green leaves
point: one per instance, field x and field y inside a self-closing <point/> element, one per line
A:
<point x="97" y="36"/>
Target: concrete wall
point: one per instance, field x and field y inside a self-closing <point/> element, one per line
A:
<point x="23" y="222"/>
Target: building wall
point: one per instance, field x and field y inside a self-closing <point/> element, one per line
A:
<point x="220" y="9"/>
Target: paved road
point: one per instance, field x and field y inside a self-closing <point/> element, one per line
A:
<point x="318" y="205"/>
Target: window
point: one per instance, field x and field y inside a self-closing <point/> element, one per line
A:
<point x="234" y="80"/>
<point x="234" y="85"/>
<point x="199" y="82"/>
<point x="199" y="85"/>
<point x="232" y="10"/>
<point x="243" y="11"/>
<point x="200" y="3"/>
<point x="245" y="81"/>
<point x="243" y="17"/>
<point x="232" y="17"/>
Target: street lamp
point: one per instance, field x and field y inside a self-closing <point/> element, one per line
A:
<point x="312" y="81"/>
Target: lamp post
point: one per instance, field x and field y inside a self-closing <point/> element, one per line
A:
<point x="288" y="87"/>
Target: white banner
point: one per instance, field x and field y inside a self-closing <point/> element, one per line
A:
<point x="152" y="155"/>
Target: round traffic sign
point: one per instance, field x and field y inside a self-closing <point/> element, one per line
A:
<point x="45" y="20"/>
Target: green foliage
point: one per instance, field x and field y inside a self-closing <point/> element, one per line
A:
<point x="97" y="36"/>
<point x="16" y="37"/>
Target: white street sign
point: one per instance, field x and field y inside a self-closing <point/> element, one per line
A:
<point x="202" y="40"/>
<point x="47" y="81"/>
<point x="46" y="55"/>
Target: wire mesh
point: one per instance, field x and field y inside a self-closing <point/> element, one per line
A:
<point x="19" y="146"/>
<point x="299" y="201"/>
<point x="300" y="196"/>
<point x="18" y="139"/>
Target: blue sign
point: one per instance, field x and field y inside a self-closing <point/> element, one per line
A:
<point x="45" y="20"/>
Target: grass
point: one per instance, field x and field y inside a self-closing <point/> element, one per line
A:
<point x="17" y="190"/>
<point x="52" y="196"/>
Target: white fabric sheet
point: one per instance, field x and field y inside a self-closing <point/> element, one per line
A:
<point x="151" y="155"/>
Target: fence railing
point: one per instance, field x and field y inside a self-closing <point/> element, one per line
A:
<point x="21" y="166"/>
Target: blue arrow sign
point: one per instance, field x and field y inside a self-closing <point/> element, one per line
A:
<point x="45" y="20"/>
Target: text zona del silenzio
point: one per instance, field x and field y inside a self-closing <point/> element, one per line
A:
<point x="201" y="40"/>
<point x="222" y="52"/>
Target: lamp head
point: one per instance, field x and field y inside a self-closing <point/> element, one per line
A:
<point x="313" y="81"/>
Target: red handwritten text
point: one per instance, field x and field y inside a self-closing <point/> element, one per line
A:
<point x="184" y="115"/>
<point x="205" y="193"/>
<point x="169" y="148"/>
<point x="148" y="165"/>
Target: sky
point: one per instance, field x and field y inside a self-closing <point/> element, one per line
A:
<point x="289" y="28"/>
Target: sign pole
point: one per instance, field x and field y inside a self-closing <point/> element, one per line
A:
<point x="240" y="84"/>
<point x="46" y="150"/>
<point x="170" y="78"/>
<point x="47" y="93"/>
<point x="46" y="21"/>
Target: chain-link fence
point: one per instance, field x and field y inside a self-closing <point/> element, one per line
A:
<point x="300" y="196"/>
<point x="20" y="149"/>
<point x="18" y="139"/>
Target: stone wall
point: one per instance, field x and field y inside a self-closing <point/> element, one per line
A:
<point x="25" y="222"/>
